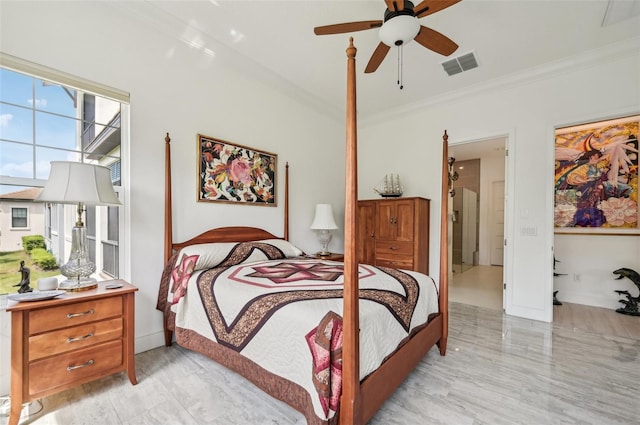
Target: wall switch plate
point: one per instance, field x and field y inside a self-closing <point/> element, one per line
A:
<point x="529" y="231"/>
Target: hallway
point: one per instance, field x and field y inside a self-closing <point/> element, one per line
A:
<point x="480" y="286"/>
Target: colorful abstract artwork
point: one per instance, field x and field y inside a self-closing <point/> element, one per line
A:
<point x="233" y="173"/>
<point x="596" y="177"/>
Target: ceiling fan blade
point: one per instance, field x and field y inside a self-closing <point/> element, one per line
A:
<point x="394" y="6"/>
<point x="376" y="58"/>
<point x="427" y="7"/>
<point x="347" y="27"/>
<point x="433" y="40"/>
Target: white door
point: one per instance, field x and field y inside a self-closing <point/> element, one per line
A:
<point x="497" y="223"/>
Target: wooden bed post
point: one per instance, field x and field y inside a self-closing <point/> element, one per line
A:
<point x="168" y="220"/>
<point x="443" y="299"/>
<point x="350" y="402"/>
<point x="286" y="201"/>
<point x="168" y="224"/>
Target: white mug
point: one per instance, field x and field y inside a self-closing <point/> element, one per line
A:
<point x="47" y="283"/>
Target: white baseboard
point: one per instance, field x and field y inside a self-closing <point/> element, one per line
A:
<point x="149" y="342"/>
<point x="593" y="300"/>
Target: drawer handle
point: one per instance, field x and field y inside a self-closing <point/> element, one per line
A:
<point x="79" y="338"/>
<point x="393" y="248"/>
<point x="89" y="363"/>
<point x="72" y="315"/>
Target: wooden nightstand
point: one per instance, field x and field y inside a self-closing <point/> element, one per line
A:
<point x="75" y="338"/>
<point x="332" y="257"/>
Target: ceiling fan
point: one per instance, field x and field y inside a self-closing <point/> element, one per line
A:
<point x="400" y="26"/>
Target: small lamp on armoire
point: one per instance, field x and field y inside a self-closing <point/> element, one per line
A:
<point x="324" y="222"/>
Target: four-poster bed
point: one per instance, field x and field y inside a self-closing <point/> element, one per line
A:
<point x="344" y="346"/>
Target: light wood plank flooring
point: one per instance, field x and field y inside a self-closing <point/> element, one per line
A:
<point x="596" y="320"/>
<point x="480" y="286"/>
<point x="498" y="370"/>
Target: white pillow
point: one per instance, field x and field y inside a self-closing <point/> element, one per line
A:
<point x="212" y="254"/>
<point x="289" y="249"/>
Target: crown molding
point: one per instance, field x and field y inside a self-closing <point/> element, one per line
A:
<point x="611" y="52"/>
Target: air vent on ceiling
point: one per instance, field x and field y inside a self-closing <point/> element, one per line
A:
<point x="461" y="63"/>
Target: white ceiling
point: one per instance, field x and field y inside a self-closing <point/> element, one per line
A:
<point x="276" y="40"/>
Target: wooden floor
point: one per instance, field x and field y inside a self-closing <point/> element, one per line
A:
<point x="499" y="370"/>
<point x="479" y="285"/>
<point x="482" y="286"/>
<point x="596" y="320"/>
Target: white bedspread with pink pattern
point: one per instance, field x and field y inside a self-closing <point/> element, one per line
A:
<point x="267" y="303"/>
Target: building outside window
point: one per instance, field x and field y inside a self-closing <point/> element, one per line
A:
<point x="19" y="217"/>
<point x="44" y="120"/>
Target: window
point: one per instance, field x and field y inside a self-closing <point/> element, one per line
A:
<point x="19" y="217"/>
<point x="45" y="116"/>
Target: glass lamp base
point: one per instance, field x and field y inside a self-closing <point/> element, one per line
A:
<point x="83" y="284"/>
<point x="324" y="237"/>
<point x="79" y="268"/>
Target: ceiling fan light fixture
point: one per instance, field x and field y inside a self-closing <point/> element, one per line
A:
<point x="399" y="30"/>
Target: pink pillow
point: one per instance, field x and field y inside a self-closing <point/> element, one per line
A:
<point x="181" y="274"/>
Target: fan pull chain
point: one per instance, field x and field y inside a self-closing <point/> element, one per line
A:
<point x="400" y="61"/>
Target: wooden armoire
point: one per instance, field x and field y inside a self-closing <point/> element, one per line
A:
<point x="394" y="232"/>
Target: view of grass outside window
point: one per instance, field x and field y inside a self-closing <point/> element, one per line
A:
<point x="43" y="121"/>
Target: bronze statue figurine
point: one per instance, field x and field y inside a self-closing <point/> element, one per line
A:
<point x="26" y="279"/>
<point x="631" y="304"/>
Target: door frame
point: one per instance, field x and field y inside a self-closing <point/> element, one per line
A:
<point x="509" y="208"/>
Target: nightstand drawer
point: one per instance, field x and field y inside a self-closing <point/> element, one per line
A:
<point x="77" y="366"/>
<point x="63" y="340"/>
<point x="47" y="319"/>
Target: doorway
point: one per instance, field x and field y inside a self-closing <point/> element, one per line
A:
<point x="466" y="216"/>
<point x="478" y="223"/>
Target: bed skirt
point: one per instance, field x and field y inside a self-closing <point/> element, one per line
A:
<point x="274" y="385"/>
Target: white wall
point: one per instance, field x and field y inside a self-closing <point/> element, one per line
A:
<point x="588" y="261"/>
<point x="181" y="90"/>
<point x="598" y="85"/>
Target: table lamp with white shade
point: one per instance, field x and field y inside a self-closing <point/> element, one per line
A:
<point x="323" y="222"/>
<point x="82" y="184"/>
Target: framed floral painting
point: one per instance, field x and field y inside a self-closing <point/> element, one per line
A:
<point x="596" y="177"/>
<point x="232" y="173"/>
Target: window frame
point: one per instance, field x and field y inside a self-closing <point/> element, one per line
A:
<point x="26" y="218"/>
<point x="53" y="212"/>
